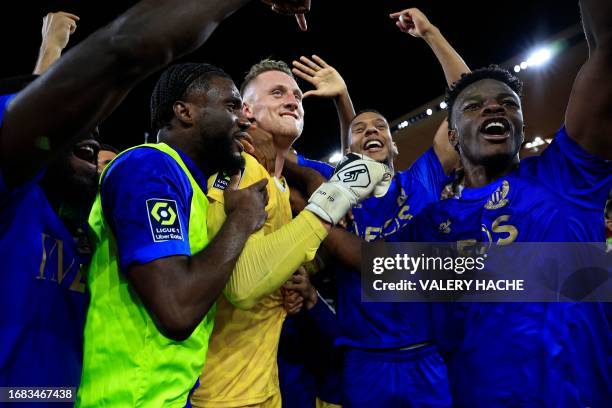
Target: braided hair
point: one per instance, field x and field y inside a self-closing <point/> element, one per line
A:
<point x="175" y="83"/>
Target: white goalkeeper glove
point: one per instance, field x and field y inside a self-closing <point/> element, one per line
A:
<point x="355" y="179"/>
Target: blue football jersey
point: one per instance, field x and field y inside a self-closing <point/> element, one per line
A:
<point x="134" y="180"/>
<point x="388" y="325"/>
<point x="42" y="284"/>
<point x="526" y="354"/>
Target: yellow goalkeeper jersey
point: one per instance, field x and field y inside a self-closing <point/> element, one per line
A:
<point x="241" y="366"/>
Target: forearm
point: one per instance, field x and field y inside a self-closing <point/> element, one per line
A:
<point x="345" y="247"/>
<point x="597" y="22"/>
<point x="269" y="261"/>
<point x="48" y="55"/>
<point x="208" y="271"/>
<point x="142" y="40"/>
<point x="451" y="62"/>
<point x="346" y="112"/>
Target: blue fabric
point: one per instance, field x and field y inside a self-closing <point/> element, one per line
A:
<point x="135" y="180"/>
<point x="325" y="169"/>
<point x="388" y="325"/>
<point x="395" y="379"/>
<point x="4" y="101"/>
<point x="308" y="366"/>
<point x="526" y="354"/>
<point x="42" y="293"/>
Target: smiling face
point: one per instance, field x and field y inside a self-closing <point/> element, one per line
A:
<point x="274" y="101"/>
<point x="220" y="124"/>
<point x="370" y="135"/>
<point x="487" y="123"/>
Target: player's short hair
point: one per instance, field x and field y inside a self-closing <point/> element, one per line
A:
<point x="366" y="110"/>
<point x="109" y="148"/>
<point x="491" y="72"/>
<point x="175" y="83"/>
<point x="265" y="66"/>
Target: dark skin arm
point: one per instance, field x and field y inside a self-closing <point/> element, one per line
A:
<point x="588" y="117"/>
<point x="95" y="76"/>
<point x="178" y="291"/>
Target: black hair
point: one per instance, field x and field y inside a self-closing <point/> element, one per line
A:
<point x="362" y="111"/>
<point x="491" y="72"/>
<point x="176" y="82"/>
<point x="109" y="148"/>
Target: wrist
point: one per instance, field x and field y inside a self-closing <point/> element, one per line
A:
<point x="50" y="46"/>
<point x="432" y="34"/>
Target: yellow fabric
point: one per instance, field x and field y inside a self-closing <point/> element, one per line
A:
<point x="241" y="368"/>
<point x="323" y="404"/>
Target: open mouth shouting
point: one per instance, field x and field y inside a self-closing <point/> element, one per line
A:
<point x="373" y="146"/>
<point x="495" y="129"/>
<point x="87" y="151"/>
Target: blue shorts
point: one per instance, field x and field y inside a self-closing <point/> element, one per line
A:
<point x="395" y="379"/>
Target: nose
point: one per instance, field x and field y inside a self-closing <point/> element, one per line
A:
<point x="371" y="130"/>
<point x="243" y="122"/>
<point x="492" y="108"/>
<point x="291" y="102"/>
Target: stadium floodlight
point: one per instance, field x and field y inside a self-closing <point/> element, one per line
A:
<point x="443" y="105"/>
<point x="523" y="65"/>
<point x="335" y="158"/>
<point x="517" y="68"/>
<point x="539" y="57"/>
<point x="429" y="112"/>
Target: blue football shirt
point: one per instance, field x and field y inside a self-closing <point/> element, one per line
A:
<point x="42" y="289"/>
<point x="388" y="325"/>
<point x="531" y="354"/>
<point x="135" y="180"/>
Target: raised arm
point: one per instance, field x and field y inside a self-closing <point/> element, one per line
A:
<point x="415" y="23"/>
<point x="84" y="86"/>
<point x="329" y="84"/>
<point x="56" y="31"/>
<point x="588" y="117"/>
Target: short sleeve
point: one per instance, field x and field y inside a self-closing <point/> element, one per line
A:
<point x="428" y="170"/>
<point x="146" y="200"/>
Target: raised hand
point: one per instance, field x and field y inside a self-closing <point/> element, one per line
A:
<point x="58" y="27"/>
<point x="56" y="31"/>
<point x="291" y="7"/>
<point x="413" y="22"/>
<point x="327" y="81"/>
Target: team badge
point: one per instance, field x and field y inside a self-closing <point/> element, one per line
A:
<point x="498" y="198"/>
<point x="164" y="220"/>
<point x="222" y="180"/>
<point x="445" y="227"/>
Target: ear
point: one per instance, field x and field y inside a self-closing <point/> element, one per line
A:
<point x="394" y="149"/>
<point x="248" y="111"/>
<point x="523" y="135"/>
<point x="182" y="112"/>
<point x="453" y="138"/>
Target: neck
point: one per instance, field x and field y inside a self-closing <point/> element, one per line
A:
<point x="478" y="175"/>
<point x="280" y="162"/>
<point x="181" y="140"/>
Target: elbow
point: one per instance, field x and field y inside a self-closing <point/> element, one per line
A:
<point x="177" y="324"/>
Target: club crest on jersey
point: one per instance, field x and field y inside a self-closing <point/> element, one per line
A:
<point x="164" y="220"/>
<point x="357" y="174"/>
<point x="498" y="198"/>
<point x="223" y="179"/>
<point x="445" y="227"/>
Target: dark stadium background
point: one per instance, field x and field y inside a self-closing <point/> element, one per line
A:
<point x="384" y="68"/>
